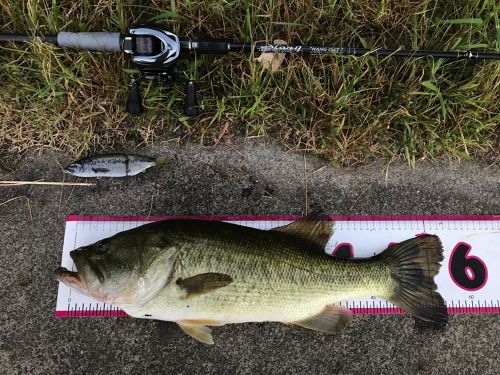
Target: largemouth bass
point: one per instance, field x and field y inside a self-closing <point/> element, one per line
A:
<point x="208" y="273"/>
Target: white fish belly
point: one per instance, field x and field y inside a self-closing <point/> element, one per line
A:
<point x="228" y="308"/>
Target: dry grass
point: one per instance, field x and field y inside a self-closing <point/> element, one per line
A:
<point x="348" y="110"/>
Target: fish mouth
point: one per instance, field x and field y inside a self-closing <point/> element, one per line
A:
<point x="73" y="279"/>
<point x="70" y="166"/>
<point x="85" y="280"/>
<point x="87" y="267"/>
<point x="70" y="278"/>
<point x="70" y="169"/>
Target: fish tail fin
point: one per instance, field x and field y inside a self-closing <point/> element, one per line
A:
<point x="161" y="161"/>
<point x="413" y="264"/>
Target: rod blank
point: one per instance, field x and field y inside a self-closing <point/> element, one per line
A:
<point x="20" y="38"/>
<point x="321" y="50"/>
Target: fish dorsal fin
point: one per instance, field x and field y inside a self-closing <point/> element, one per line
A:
<point x="196" y="331"/>
<point x="315" y="228"/>
<point x="332" y="319"/>
<point x="204" y="283"/>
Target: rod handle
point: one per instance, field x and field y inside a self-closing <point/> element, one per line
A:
<point x="212" y="46"/>
<point x="90" y="41"/>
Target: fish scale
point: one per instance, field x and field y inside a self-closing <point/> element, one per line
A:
<point x="304" y="279"/>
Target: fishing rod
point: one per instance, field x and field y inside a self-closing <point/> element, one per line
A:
<point x="153" y="52"/>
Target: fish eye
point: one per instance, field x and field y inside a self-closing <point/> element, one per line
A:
<point x="102" y="247"/>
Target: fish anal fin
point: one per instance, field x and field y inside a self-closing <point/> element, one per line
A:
<point x="314" y="228"/>
<point x="332" y="319"/>
<point x="199" y="332"/>
<point x="204" y="283"/>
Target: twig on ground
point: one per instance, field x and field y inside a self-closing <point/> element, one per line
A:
<point x="62" y="187"/>
<point x="238" y="152"/>
<point x="51" y="183"/>
<point x="305" y="185"/>
<point x="320" y="169"/>
<point x="151" y="205"/>
<point x="360" y="195"/>
<point x="27" y="201"/>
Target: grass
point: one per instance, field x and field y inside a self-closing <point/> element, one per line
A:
<point x="346" y="109"/>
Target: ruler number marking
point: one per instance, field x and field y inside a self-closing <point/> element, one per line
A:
<point x="467" y="272"/>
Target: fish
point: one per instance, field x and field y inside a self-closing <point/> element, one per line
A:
<point x="202" y="273"/>
<point x="112" y="165"/>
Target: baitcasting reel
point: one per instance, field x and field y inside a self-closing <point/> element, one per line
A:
<point x="153" y="50"/>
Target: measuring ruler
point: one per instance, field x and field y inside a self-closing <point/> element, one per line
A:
<point x="469" y="279"/>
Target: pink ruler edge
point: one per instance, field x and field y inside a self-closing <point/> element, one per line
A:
<point x="284" y="217"/>
<point x="355" y="310"/>
<point x="90" y="313"/>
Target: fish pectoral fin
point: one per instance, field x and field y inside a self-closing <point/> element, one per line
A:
<point x="332" y="319"/>
<point x="204" y="283"/>
<point x="197" y="331"/>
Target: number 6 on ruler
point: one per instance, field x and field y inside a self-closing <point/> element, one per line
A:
<point x="468" y="272"/>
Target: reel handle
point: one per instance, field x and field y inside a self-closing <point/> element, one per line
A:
<point x="191" y="107"/>
<point x="134" y="101"/>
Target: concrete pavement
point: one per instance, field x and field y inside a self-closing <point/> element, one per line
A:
<point x="247" y="179"/>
